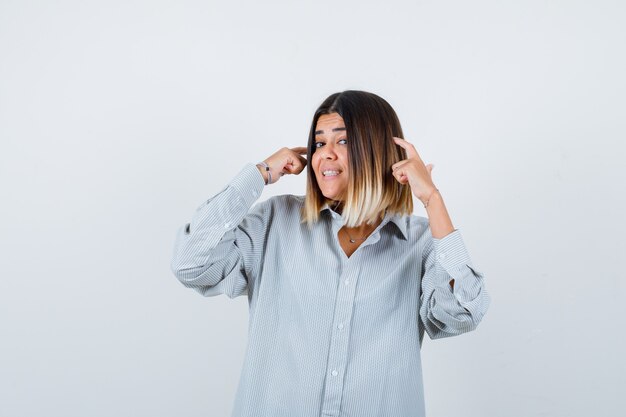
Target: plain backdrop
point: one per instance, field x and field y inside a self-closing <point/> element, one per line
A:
<point x="119" y="118"/>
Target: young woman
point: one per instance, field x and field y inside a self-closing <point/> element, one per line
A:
<point x="342" y="282"/>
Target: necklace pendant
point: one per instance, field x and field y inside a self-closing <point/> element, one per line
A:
<point x="352" y="241"/>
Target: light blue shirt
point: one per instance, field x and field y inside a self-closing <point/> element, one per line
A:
<point x="329" y="335"/>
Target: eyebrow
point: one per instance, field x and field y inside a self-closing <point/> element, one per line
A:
<point x="336" y="129"/>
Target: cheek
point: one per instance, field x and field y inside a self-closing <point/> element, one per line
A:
<point x="344" y="155"/>
<point x="314" y="160"/>
<point x="344" y="160"/>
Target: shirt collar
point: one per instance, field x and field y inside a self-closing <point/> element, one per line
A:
<point x="398" y="220"/>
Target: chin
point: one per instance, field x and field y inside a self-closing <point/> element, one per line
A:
<point x="335" y="198"/>
<point x="328" y="195"/>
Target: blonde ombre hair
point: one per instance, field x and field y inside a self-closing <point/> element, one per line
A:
<point x="371" y="123"/>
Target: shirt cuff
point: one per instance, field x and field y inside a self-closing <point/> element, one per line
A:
<point x="450" y="251"/>
<point x="249" y="182"/>
<point x="451" y="255"/>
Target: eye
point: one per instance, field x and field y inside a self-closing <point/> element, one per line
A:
<point x="320" y="144"/>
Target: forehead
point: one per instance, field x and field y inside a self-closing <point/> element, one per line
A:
<point x="328" y="122"/>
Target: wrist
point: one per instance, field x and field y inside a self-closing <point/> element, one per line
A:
<point x="265" y="172"/>
<point x="433" y="194"/>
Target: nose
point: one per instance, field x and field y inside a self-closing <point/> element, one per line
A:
<point x="328" y="152"/>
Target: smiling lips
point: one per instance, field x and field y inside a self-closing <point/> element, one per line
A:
<point x="330" y="173"/>
<point x="330" y="170"/>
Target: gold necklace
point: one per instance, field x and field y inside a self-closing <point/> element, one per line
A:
<point x="353" y="240"/>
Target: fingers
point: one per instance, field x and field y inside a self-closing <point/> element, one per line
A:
<point x="300" y="150"/>
<point x="398" y="170"/>
<point x="403" y="169"/>
<point x="412" y="156"/>
<point x="295" y="163"/>
<point x="286" y="161"/>
<point x="293" y="168"/>
<point x="399" y="164"/>
<point x="400" y="176"/>
<point x="411" y="152"/>
<point x="302" y="160"/>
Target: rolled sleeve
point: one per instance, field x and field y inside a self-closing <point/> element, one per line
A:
<point x="218" y="251"/>
<point x="447" y="311"/>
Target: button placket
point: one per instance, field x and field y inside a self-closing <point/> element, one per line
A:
<point x="338" y="353"/>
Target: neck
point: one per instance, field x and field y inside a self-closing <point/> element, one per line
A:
<point x="363" y="228"/>
<point x="359" y="230"/>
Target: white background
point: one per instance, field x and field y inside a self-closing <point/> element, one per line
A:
<point x="119" y="118"/>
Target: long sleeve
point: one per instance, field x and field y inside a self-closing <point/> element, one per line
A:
<point x="445" y="311"/>
<point x="219" y="251"/>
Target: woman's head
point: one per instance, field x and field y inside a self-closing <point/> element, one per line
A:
<point x="351" y="139"/>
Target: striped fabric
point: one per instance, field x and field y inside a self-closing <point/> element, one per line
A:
<point x="328" y="335"/>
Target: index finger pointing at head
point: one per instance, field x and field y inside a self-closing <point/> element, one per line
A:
<point x="303" y="160"/>
<point x="410" y="149"/>
<point x="300" y="149"/>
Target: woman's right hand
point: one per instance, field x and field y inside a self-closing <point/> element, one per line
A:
<point x="284" y="161"/>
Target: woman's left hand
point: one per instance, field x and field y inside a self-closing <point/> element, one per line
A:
<point x="413" y="171"/>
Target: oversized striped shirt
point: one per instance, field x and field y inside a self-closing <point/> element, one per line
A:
<point x="329" y="335"/>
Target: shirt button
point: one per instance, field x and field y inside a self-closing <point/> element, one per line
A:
<point x="254" y="193"/>
<point x="346" y="282"/>
<point x="334" y="372"/>
<point x="442" y="256"/>
<point x="226" y="226"/>
<point x="340" y="326"/>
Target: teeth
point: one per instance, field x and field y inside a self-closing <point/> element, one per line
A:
<point x="330" y="173"/>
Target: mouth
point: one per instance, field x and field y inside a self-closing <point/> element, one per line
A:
<point x="330" y="174"/>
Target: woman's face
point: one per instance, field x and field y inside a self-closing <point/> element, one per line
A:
<point x="331" y="156"/>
